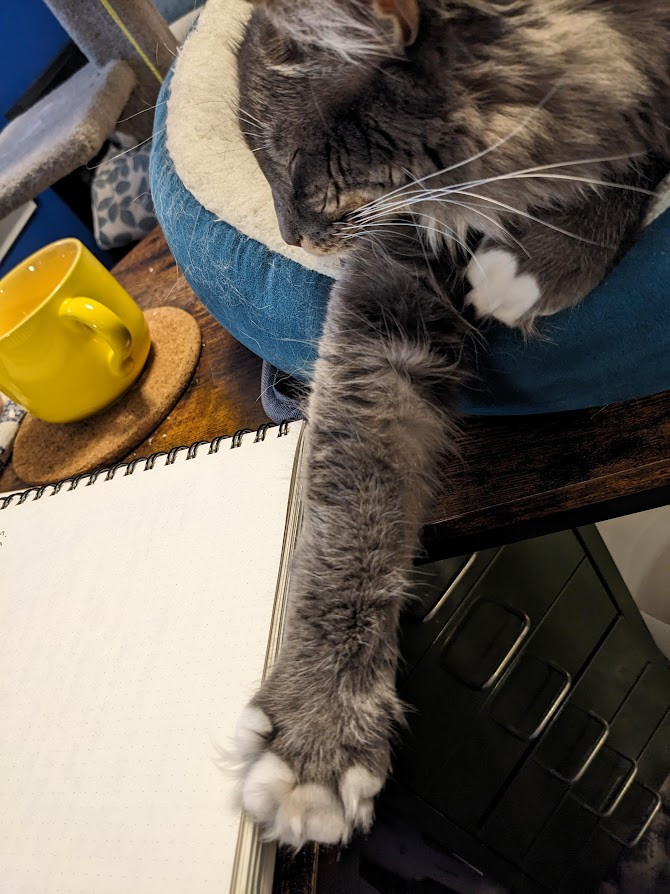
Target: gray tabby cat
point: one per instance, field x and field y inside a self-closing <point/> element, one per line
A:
<point x="472" y="159"/>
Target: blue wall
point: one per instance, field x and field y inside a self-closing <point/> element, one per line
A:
<point x="31" y="38"/>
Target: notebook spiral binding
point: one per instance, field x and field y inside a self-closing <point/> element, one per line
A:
<point x="107" y="474"/>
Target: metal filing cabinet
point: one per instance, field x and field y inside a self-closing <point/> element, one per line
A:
<point x="540" y="729"/>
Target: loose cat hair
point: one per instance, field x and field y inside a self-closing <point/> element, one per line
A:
<point x="469" y="159"/>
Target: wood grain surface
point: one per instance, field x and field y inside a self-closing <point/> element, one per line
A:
<point x="526" y="476"/>
<point x="516" y="477"/>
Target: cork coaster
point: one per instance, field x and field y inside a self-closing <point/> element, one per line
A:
<point x="45" y="452"/>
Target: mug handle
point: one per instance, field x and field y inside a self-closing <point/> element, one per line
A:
<point x="105" y="323"/>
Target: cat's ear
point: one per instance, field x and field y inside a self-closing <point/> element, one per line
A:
<point x="404" y="17"/>
<point x="351" y="28"/>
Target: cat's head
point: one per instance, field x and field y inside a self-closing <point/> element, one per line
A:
<point x="337" y="105"/>
<point x="345" y="101"/>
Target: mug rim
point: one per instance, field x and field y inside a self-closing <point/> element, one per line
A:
<point x="72" y="240"/>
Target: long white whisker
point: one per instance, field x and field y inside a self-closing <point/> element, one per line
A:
<point x="258" y="131"/>
<point x="444" y="231"/>
<point x="244" y="112"/>
<point x="380" y="229"/>
<point x="422" y="194"/>
<point x="141" y="112"/>
<point x="484" y="152"/>
<point x="531" y="174"/>
<point x="361" y="227"/>
<point x="126" y="151"/>
<point x="162" y="103"/>
<point x="607" y="183"/>
<point x="492" y="220"/>
<point x="451" y="234"/>
<point x="496" y="223"/>
<point x="441" y="195"/>
<point x="532" y="217"/>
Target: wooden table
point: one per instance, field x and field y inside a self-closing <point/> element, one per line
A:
<point x="517" y="477"/>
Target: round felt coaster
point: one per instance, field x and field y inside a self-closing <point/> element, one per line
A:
<point x="45" y="452"/>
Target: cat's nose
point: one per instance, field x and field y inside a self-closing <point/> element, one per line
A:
<point x="290" y="234"/>
<point x="289" y="231"/>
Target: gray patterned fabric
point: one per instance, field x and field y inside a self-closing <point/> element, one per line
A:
<point x="277" y="404"/>
<point x="123" y="211"/>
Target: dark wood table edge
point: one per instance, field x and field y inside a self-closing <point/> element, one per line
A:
<point x="441" y="539"/>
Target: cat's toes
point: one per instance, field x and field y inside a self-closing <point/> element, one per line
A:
<point x="498" y="289"/>
<point x="358" y="789"/>
<point x="294" y="811"/>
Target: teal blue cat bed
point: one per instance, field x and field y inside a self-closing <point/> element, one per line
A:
<point x="217" y="215"/>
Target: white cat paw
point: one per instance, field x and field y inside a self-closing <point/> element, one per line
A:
<point x="292" y="812"/>
<point x="497" y="288"/>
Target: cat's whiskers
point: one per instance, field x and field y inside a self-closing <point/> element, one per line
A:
<point x="496" y="223"/>
<point x="255" y="129"/>
<point x="382" y="228"/>
<point x="125" y="151"/>
<point x="349" y="231"/>
<point x="531" y="174"/>
<point x="492" y="220"/>
<point x="497" y="145"/>
<point x="510" y="209"/>
<point x="532" y="217"/>
<point x="162" y="102"/>
<point x="443" y="230"/>
<point x="443" y="195"/>
<point x="413" y="195"/>
<point x="247" y="114"/>
<point x="609" y="184"/>
<point x="141" y="112"/>
<point x="251" y="125"/>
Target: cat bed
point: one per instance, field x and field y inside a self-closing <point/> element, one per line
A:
<point x="217" y="214"/>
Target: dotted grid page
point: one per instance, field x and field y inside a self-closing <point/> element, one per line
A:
<point x="134" y="620"/>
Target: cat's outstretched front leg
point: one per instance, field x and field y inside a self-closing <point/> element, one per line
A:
<point x="315" y="740"/>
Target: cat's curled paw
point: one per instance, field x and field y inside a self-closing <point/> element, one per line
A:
<point x="300" y="780"/>
<point x="499" y="289"/>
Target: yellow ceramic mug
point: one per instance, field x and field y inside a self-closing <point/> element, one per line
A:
<point x="71" y="338"/>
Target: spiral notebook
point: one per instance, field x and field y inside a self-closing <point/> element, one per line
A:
<point x="139" y="609"/>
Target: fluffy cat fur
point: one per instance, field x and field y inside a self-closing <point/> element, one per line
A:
<point x="469" y="159"/>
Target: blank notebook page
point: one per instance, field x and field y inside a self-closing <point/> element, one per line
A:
<point x="134" y="620"/>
